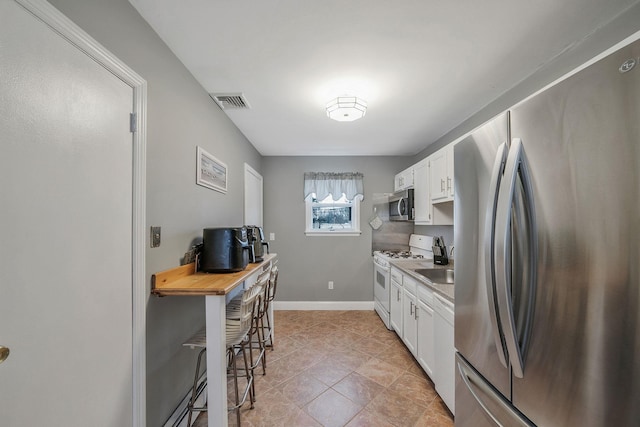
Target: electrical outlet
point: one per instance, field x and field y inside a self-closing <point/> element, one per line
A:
<point x="272" y="236"/>
<point x="331" y="284"/>
<point x="155" y="236"/>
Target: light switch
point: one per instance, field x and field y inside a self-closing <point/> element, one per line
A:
<point x="272" y="236"/>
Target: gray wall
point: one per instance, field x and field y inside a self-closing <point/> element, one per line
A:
<point x="308" y="263"/>
<point x="180" y="116"/>
<point x="597" y="42"/>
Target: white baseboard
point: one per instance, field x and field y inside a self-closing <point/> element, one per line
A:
<point x="179" y="416"/>
<point x="323" y="305"/>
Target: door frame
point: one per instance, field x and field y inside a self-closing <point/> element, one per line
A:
<point x="86" y="44"/>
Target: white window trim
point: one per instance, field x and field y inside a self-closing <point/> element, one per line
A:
<point x="352" y="232"/>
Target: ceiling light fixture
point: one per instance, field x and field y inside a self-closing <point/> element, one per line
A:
<point x="346" y="108"/>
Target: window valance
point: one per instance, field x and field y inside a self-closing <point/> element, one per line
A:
<point x="324" y="184"/>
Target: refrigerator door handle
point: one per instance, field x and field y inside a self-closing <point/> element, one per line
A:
<point x="489" y="253"/>
<point x="487" y="396"/>
<point x="515" y="167"/>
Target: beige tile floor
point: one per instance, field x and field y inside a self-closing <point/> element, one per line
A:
<point x="340" y="368"/>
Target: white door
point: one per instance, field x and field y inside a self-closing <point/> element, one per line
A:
<point x="252" y="196"/>
<point x="65" y="232"/>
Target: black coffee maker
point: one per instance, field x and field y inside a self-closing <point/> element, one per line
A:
<point x="255" y="235"/>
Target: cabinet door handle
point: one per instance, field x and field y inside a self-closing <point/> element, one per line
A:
<point x="411" y="308"/>
<point x="442" y="185"/>
<point x="398" y="296"/>
<point x="415" y="311"/>
<point x="449" y="183"/>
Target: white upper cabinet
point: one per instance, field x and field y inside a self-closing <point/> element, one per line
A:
<point x="421" y="194"/>
<point x="450" y="174"/>
<point x="403" y="180"/>
<point x="442" y="185"/>
<point x="432" y="181"/>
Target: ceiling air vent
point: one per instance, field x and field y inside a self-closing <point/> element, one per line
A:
<point x="230" y="101"/>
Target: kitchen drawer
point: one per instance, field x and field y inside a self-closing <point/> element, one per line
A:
<point x="396" y="276"/>
<point x="425" y="295"/>
<point x="445" y="309"/>
<point x="409" y="284"/>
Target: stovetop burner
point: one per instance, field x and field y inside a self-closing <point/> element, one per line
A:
<point x="401" y="254"/>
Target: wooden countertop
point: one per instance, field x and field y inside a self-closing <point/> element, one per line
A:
<point x="183" y="281"/>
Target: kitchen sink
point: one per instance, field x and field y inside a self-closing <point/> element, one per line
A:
<point x="437" y="275"/>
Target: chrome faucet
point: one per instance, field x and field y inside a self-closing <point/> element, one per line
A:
<point x="451" y="252"/>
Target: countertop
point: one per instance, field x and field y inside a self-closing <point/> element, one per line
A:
<point x="183" y="281"/>
<point x="409" y="267"/>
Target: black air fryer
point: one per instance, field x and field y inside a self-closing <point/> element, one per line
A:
<point x="224" y="250"/>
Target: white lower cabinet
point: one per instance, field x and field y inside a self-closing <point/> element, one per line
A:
<point x="396" y="307"/>
<point x="445" y="352"/>
<point x="426" y="348"/>
<point x="409" y="320"/>
<point x="424" y="321"/>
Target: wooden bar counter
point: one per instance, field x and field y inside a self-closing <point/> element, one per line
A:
<point x="182" y="281"/>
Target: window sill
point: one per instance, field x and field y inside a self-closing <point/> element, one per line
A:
<point x="350" y="233"/>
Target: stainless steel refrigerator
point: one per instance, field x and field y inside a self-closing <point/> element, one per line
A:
<point x="547" y="238"/>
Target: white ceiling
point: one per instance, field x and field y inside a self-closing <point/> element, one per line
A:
<point x="423" y="66"/>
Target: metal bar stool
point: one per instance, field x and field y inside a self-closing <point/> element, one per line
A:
<point x="199" y="340"/>
<point x="257" y="341"/>
<point x="270" y="295"/>
<point x="233" y="306"/>
<point x="260" y="339"/>
<point x="238" y="340"/>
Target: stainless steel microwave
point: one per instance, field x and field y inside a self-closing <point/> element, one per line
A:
<point x="401" y="206"/>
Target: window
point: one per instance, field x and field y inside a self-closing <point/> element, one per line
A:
<point x="328" y="217"/>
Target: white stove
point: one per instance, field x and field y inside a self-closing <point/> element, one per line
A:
<point x="419" y="248"/>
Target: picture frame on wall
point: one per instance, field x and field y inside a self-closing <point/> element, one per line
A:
<point x="211" y="172"/>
